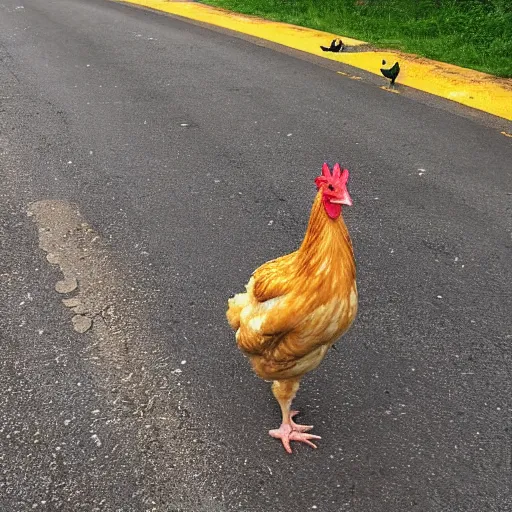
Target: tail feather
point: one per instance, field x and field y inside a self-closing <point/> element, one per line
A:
<point x="235" y="306"/>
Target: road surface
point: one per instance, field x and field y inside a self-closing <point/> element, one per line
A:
<point x="155" y="163"/>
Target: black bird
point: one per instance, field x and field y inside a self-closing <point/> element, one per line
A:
<point x="391" y="73"/>
<point x="336" y="46"/>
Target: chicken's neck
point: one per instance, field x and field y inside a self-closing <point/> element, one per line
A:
<point x="326" y="239"/>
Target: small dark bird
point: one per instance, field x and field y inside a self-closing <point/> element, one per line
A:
<point x="336" y="46"/>
<point x="391" y="73"/>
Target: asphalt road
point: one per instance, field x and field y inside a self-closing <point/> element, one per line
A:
<point x="160" y="162"/>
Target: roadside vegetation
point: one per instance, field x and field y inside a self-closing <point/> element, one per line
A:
<point x="474" y="34"/>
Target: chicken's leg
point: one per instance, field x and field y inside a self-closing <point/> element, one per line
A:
<point x="284" y="391"/>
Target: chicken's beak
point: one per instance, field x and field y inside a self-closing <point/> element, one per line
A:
<point x="346" y="199"/>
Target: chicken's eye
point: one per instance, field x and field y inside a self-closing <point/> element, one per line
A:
<point x="330" y="187"/>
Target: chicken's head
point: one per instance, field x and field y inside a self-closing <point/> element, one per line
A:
<point x="333" y="186"/>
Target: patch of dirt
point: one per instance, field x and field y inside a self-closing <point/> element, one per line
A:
<point x="145" y="402"/>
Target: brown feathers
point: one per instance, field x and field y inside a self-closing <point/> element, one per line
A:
<point x="296" y="306"/>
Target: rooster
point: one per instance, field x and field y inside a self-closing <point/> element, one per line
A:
<point x="295" y="307"/>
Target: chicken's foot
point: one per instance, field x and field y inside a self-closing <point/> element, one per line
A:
<point x="286" y="434"/>
<point x="284" y="391"/>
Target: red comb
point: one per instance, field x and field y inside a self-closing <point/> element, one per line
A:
<point x="337" y="174"/>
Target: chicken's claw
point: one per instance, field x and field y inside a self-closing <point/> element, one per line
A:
<point x="295" y="426"/>
<point x="286" y="432"/>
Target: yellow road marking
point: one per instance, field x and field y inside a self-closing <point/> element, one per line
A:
<point x="468" y="87"/>
<point x="389" y="89"/>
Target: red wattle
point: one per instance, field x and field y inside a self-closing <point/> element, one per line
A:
<point x="333" y="210"/>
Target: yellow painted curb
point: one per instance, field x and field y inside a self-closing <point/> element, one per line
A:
<point x="471" y="88"/>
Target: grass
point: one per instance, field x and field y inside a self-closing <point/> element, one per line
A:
<point x="474" y="34"/>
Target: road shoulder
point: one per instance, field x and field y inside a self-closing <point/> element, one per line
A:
<point x="465" y="86"/>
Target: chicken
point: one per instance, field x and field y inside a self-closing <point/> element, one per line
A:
<point x="391" y="73"/>
<point x="336" y="46"/>
<point x="295" y="307"/>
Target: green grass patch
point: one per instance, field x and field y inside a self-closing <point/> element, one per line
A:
<point x="474" y="34"/>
